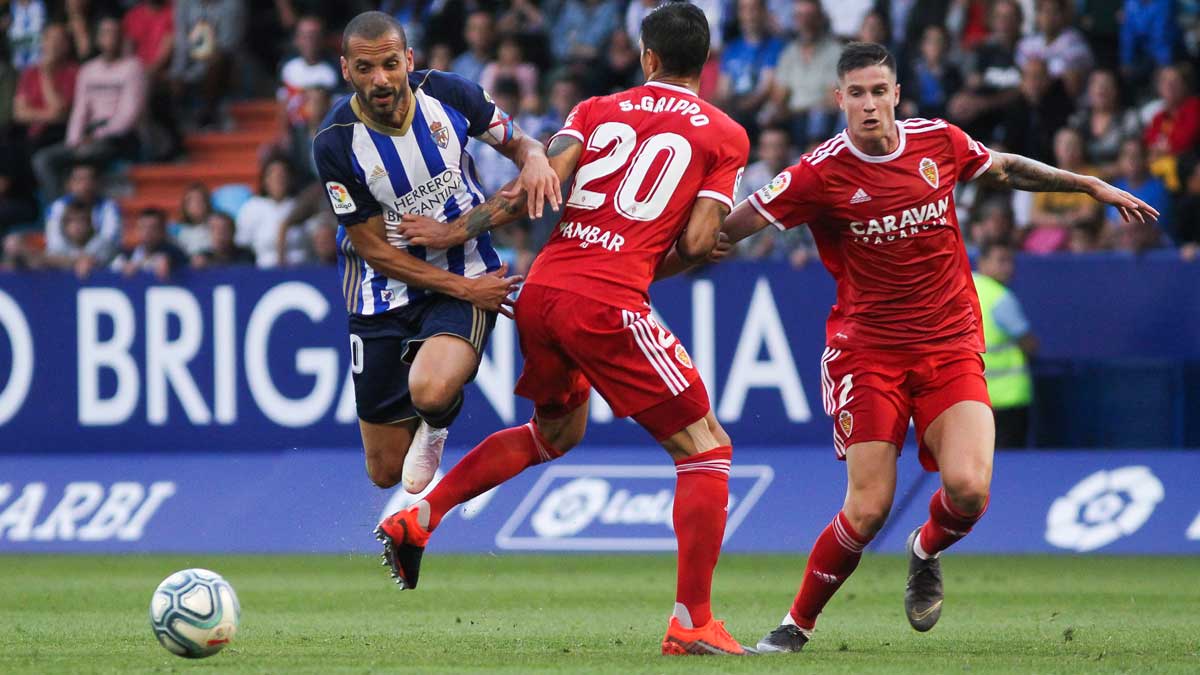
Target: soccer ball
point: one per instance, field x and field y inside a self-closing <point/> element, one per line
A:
<point x="194" y="613"/>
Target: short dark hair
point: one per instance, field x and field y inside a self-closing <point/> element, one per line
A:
<point x="988" y="247"/>
<point x="372" y="26"/>
<point x="864" y="55"/>
<point x="153" y="212"/>
<point x="678" y="33"/>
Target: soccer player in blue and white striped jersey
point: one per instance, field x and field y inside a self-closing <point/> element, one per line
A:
<point x="419" y="318"/>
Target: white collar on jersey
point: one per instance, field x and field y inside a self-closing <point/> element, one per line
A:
<point x="877" y="159"/>
<point x="672" y="87"/>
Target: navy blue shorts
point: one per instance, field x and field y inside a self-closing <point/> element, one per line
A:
<point x="382" y="348"/>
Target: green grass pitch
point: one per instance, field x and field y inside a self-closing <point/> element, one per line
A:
<point x="585" y="613"/>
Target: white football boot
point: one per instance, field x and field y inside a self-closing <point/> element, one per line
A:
<point x="424" y="457"/>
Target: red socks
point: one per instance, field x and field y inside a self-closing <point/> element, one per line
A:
<point x="701" y="499"/>
<point x="945" y="525"/>
<point x="834" y="556"/>
<point x="499" y="457"/>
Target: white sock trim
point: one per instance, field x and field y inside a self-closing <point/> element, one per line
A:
<point x="683" y="615"/>
<point x="920" y="552"/>
<point x="789" y="621"/>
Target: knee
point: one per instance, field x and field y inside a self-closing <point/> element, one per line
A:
<point x="384" y="474"/>
<point x="561" y="438"/>
<point x="431" y="393"/>
<point x="867" y="515"/>
<point x="969" y="496"/>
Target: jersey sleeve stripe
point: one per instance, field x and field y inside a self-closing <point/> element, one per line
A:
<point x="712" y="194"/>
<point x="569" y="132"/>
<point x="986" y="165"/>
<point x="762" y="211"/>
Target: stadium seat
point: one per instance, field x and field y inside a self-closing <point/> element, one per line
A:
<point x="230" y="198"/>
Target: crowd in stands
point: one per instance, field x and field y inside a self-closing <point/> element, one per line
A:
<point x="89" y="88"/>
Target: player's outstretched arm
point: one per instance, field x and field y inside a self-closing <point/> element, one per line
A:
<point x="1022" y="173"/>
<point x="489" y="292"/>
<point x="742" y="222"/>
<point x="501" y="208"/>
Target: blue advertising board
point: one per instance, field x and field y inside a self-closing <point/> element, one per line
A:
<point x="594" y="499"/>
<point x="259" y="360"/>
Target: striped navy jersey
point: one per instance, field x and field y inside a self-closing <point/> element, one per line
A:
<point x="423" y="168"/>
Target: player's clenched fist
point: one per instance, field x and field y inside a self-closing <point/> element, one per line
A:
<point x="491" y="291"/>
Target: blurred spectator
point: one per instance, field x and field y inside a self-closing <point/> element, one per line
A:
<point x="510" y="63"/>
<point x="565" y="94"/>
<point x="634" y="13"/>
<point x="874" y="28"/>
<point x="1060" y="45"/>
<point x="774" y="153"/>
<point x="583" y="28"/>
<point x="150" y="29"/>
<point x="26" y="21"/>
<point x="83" y="189"/>
<point x="1028" y="126"/>
<point x="906" y="20"/>
<point x="1103" y="124"/>
<point x="622" y="67"/>
<point x="110" y="92"/>
<point x="80" y="17"/>
<point x="224" y="251"/>
<point x="1187" y="229"/>
<point x="414" y="15"/>
<point x="45" y="91"/>
<point x="807" y="75"/>
<point x="309" y="69"/>
<point x="191" y="230"/>
<point x="8" y="90"/>
<point x="479" y="34"/>
<point x="748" y="66"/>
<point x="1056" y="215"/>
<point x="1100" y="21"/>
<point x="1175" y="129"/>
<point x="1135" y="178"/>
<point x="80" y="249"/>
<point x="493" y="168"/>
<point x="512" y="245"/>
<point x="523" y="17"/>
<point x="155" y="252"/>
<point x="17" y="203"/>
<point x="441" y="57"/>
<point x="1149" y="35"/>
<point x="932" y="80"/>
<point x="323" y="238"/>
<point x="846" y="16"/>
<point x="967" y="22"/>
<point x="994" y="225"/>
<point x="1010" y="344"/>
<point x="315" y="105"/>
<point x="208" y="34"/>
<point x="992" y="77"/>
<point x="260" y="218"/>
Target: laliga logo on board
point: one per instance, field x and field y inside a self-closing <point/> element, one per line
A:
<point x="614" y="508"/>
<point x="1103" y="507"/>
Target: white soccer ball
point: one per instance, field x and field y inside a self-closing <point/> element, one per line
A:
<point x="194" y="613"/>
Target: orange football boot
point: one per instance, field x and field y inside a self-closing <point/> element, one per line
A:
<point x="403" y="545"/>
<point x="710" y="639"/>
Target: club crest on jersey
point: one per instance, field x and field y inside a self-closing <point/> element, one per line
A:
<point x="440" y="133"/>
<point x="339" y="198"/>
<point x="846" y="422"/>
<point x="929" y="171"/>
<point x="775" y="188"/>
<point x="682" y="357"/>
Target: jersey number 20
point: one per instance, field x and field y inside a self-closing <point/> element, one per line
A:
<point x="661" y="185"/>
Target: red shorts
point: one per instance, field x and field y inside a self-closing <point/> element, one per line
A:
<point x="572" y="343"/>
<point x="871" y="394"/>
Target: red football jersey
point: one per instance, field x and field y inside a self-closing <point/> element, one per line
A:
<point x="886" y="230"/>
<point x="649" y="152"/>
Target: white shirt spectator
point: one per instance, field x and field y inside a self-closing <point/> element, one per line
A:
<point x="846" y="16"/>
<point x="106" y="218"/>
<point x="1068" y="51"/>
<point x="257" y="228"/>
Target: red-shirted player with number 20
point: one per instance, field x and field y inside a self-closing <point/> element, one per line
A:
<point x="655" y="168"/>
<point x="904" y="338"/>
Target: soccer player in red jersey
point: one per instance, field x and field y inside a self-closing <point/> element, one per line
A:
<point x="655" y="168"/>
<point x="903" y="340"/>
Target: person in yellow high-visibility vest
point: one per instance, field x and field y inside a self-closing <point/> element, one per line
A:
<point x="1010" y="343"/>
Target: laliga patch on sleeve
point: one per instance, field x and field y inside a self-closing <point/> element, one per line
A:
<point x="775" y="188"/>
<point x="737" y="181"/>
<point x="340" y="198"/>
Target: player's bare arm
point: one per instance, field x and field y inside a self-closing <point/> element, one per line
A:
<point x="537" y="177"/>
<point x="1022" y="173"/>
<point x="501" y="208"/>
<point x="742" y="222"/>
<point x="489" y="292"/>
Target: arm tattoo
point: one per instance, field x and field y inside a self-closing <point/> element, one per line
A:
<point x="1022" y="173"/>
<point x="560" y="144"/>
<point x="496" y="211"/>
